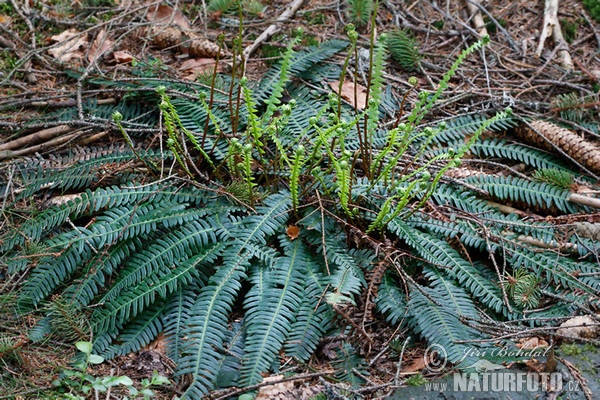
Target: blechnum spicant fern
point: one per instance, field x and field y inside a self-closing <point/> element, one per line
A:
<point x="263" y="217"/>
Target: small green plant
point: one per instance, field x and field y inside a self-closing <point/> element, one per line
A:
<point x="569" y="29"/>
<point x="416" y="380"/>
<point x="555" y="177"/>
<point x="593" y="7"/>
<point x="570" y="349"/>
<point x="360" y="11"/>
<point x="78" y="384"/>
<point x="404" y="49"/>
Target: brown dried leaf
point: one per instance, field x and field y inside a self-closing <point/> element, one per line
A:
<point x="197" y="66"/>
<point x="168" y="15"/>
<point x="100" y="46"/>
<point x="347" y="93"/>
<point x="531" y="343"/>
<point x="69" y="47"/>
<point x="122" y="56"/>
<point x="293" y="231"/>
<point x="272" y="391"/>
<point x="418" y="364"/>
<point x="535" y="365"/>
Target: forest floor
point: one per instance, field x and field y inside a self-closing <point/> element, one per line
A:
<point x="43" y="40"/>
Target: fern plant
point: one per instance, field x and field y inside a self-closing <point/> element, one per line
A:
<point x="267" y="224"/>
<point x="404" y="49"/>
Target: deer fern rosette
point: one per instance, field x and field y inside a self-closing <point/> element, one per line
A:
<point x="265" y="210"/>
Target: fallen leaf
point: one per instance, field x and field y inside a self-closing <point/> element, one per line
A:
<point x="535" y="365"/>
<point x="168" y="15"/>
<point x="293" y="231"/>
<point x="122" y="57"/>
<point x="197" y="66"/>
<point x="100" y="46"/>
<point x="69" y="44"/>
<point x="348" y="89"/>
<point x="531" y="343"/>
<point x="418" y="364"/>
<point x="271" y="391"/>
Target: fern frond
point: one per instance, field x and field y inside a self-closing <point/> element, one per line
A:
<point x="391" y="301"/>
<point x="533" y="194"/>
<point x="404" y="49"/>
<point x="439" y="322"/>
<point x="274" y="308"/>
<point x="135" y="299"/>
<point x="441" y="254"/>
<point x="500" y="148"/>
<point x="138" y="333"/>
<point x="302" y="61"/>
<point x="204" y="327"/>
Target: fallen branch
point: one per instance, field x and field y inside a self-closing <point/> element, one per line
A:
<point x="49" y="145"/>
<point x="475" y="14"/>
<point x="36" y="137"/>
<point x="273" y="28"/>
<point x="552" y="28"/>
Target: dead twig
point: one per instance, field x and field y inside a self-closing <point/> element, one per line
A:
<point x="552" y="28"/>
<point x="273" y="28"/>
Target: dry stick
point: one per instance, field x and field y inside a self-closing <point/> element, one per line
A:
<point x="36" y="137"/>
<point x="499" y="26"/>
<point x="478" y="22"/>
<point x="40" y="147"/>
<point x="273" y="28"/>
<point x="552" y="28"/>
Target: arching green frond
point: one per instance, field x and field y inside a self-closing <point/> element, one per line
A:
<point x="165" y="253"/>
<point x="391" y="301"/>
<point x="313" y="318"/>
<point x="270" y="324"/>
<point x="204" y="327"/>
<point x="135" y="299"/>
<point x="301" y="62"/>
<point x="534" y="194"/>
<point x="177" y="311"/>
<point x="268" y="220"/>
<point x="439" y="322"/>
<point x="500" y="148"/>
<point x="439" y="253"/>
<point x="138" y="333"/>
<point x="460" y="127"/>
